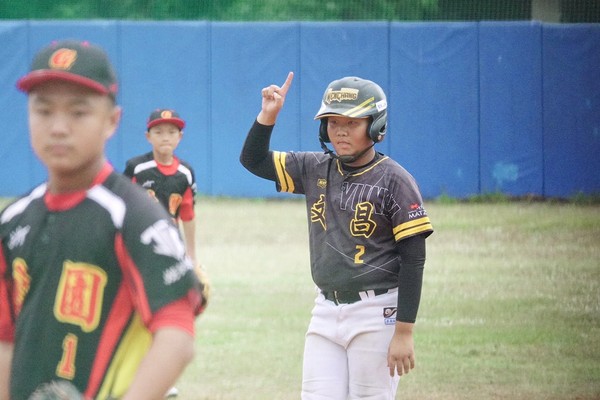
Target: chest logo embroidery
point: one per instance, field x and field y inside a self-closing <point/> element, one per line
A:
<point x="17" y="237"/>
<point x="317" y="212"/>
<point x="362" y="224"/>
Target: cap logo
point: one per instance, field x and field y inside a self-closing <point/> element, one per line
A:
<point x="166" y="114"/>
<point x="341" y="95"/>
<point x="62" y="59"/>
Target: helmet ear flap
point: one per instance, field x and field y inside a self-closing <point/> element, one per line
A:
<point x="323" y="136"/>
<point x="378" y="127"/>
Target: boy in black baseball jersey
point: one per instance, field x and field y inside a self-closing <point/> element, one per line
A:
<point x="367" y="229"/>
<point x="167" y="178"/>
<point x="96" y="290"/>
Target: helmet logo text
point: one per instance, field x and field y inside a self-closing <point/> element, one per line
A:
<point x="343" y="94"/>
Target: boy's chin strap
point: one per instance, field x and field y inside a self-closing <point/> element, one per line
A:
<point x="344" y="159"/>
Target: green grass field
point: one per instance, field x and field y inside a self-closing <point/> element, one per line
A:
<point x="510" y="307"/>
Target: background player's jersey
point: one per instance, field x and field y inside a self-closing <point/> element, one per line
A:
<point x="173" y="185"/>
<point x="81" y="276"/>
<point x="355" y="218"/>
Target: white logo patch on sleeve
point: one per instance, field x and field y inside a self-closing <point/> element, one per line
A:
<point x="165" y="239"/>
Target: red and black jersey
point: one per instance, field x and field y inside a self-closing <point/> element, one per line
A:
<point x="81" y="278"/>
<point x="174" y="186"/>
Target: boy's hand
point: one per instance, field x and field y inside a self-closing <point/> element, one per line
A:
<point x="205" y="286"/>
<point x="273" y="98"/>
<point x="56" y="390"/>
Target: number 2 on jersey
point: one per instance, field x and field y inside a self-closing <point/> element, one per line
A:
<point x="359" y="253"/>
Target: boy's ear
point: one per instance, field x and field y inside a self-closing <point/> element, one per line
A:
<point x="115" y="119"/>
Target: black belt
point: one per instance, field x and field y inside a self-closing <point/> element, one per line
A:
<point x="346" y="297"/>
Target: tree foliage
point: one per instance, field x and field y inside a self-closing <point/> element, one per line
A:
<point x="240" y="10"/>
<point x="300" y="10"/>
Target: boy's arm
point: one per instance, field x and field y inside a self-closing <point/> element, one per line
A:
<point x="256" y="156"/>
<point x="401" y="352"/>
<point x="171" y="351"/>
<point x="189" y="233"/>
<point x="6" y="351"/>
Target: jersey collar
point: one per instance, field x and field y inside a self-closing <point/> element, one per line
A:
<point x="66" y="201"/>
<point x="345" y="170"/>
<point x="170" y="169"/>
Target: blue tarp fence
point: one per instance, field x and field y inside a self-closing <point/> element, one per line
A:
<point x="475" y="107"/>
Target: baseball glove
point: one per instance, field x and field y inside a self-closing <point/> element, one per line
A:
<point x="56" y="390"/>
<point x="205" y="286"/>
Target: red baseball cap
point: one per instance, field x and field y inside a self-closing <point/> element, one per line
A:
<point x="163" y="115"/>
<point x="77" y="62"/>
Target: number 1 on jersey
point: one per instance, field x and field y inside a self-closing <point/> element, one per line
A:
<point x="66" y="367"/>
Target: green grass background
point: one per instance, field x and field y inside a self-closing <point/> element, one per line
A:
<point x="510" y="306"/>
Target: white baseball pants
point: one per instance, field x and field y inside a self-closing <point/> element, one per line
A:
<point x="345" y="350"/>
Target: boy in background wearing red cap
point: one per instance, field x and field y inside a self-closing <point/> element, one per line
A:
<point x="96" y="291"/>
<point x="168" y="179"/>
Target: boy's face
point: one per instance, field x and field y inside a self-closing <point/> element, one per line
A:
<point x="348" y="136"/>
<point x="164" y="138"/>
<point x="69" y="126"/>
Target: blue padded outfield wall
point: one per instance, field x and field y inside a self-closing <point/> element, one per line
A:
<point x="475" y="108"/>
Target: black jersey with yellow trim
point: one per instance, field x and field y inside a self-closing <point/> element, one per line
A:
<point x="355" y="217"/>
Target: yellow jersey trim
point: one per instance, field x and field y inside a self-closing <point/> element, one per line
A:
<point x="412" y="228"/>
<point x="283" y="178"/>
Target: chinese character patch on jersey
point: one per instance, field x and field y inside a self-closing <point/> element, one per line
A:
<point x="79" y="295"/>
<point x="389" y="315"/>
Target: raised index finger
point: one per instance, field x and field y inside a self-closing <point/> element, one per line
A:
<point x="286" y="84"/>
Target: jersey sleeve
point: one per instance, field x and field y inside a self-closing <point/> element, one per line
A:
<point x="293" y="168"/>
<point x="285" y="182"/>
<point x="152" y="253"/>
<point x="177" y="314"/>
<point x="128" y="172"/>
<point x="412" y="218"/>
<point x="186" y="210"/>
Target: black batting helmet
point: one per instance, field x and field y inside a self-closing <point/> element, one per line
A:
<point x="356" y="98"/>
